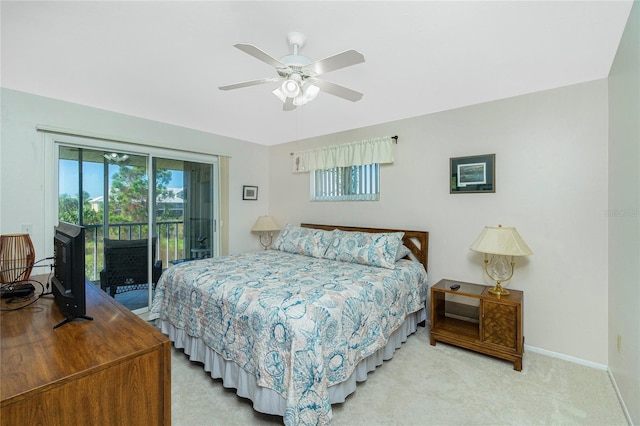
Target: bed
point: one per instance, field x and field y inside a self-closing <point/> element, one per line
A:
<point x="293" y="328"/>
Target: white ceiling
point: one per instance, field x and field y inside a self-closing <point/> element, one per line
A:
<point x="165" y="60"/>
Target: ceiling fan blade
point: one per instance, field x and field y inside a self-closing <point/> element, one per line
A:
<point x="288" y="105"/>
<point x="336" y="89"/>
<point x="249" y="83"/>
<point x="337" y="61"/>
<point x="260" y="54"/>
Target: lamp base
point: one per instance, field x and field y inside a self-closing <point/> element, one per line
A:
<point x="270" y="241"/>
<point x="499" y="291"/>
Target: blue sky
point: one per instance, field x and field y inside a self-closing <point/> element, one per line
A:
<point x="93" y="178"/>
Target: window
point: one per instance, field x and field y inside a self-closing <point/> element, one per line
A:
<point x="352" y="183"/>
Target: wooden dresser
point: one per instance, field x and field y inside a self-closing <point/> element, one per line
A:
<point x="113" y="370"/>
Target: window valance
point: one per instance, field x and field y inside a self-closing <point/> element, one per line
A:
<point x="368" y="151"/>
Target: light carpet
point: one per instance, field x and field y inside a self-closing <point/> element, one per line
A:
<point x="427" y="385"/>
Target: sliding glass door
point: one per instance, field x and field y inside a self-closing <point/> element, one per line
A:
<point x="163" y="206"/>
<point x="184" y="211"/>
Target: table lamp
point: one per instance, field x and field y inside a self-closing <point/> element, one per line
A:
<point x="265" y="225"/>
<point x="497" y="243"/>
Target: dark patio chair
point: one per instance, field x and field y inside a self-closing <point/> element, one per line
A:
<point x="125" y="266"/>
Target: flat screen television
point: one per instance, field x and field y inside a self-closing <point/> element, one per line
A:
<point x="68" y="284"/>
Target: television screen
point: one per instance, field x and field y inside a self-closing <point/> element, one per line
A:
<point x="68" y="283"/>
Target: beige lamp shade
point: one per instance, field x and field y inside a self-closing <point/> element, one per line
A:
<point x="16" y="257"/>
<point x="502" y="240"/>
<point x="265" y="224"/>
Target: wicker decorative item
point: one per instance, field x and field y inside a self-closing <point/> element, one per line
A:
<point x="16" y="257"/>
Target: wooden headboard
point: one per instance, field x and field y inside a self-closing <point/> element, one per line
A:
<point x="416" y="241"/>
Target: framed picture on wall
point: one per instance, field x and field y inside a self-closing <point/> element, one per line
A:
<point x="249" y="192"/>
<point x="472" y="174"/>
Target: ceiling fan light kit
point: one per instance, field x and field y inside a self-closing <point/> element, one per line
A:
<point x="298" y="75"/>
<point x="309" y="92"/>
<point x="291" y="87"/>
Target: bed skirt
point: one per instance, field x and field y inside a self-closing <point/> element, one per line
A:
<point x="267" y="400"/>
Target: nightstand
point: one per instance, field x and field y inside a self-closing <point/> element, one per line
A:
<point x="470" y="317"/>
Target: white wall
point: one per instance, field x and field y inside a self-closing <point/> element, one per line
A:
<point x="551" y="184"/>
<point x="22" y="162"/>
<point x="624" y="219"/>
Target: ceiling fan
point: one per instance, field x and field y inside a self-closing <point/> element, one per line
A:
<point x="299" y="76"/>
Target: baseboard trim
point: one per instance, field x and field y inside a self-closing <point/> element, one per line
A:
<point x="580" y="361"/>
<point x="588" y="364"/>
<point x="554" y="354"/>
<point x="566" y="357"/>
<point x="619" y="395"/>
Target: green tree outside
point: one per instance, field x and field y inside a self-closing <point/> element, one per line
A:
<point x="128" y="203"/>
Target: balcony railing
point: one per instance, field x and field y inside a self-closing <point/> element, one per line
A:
<point x="170" y="234"/>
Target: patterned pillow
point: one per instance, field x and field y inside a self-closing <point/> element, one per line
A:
<point x="402" y="252"/>
<point x="305" y="241"/>
<point x="365" y="248"/>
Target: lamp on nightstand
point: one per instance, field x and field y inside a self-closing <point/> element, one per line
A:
<point x="497" y="243"/>
<point x="266" y="226"/>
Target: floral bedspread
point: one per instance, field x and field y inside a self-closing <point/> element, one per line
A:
<point x="299" y="324"/>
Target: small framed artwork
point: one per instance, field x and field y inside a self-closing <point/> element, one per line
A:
<point x="249" y="192"/>
<point x="472" y="174"/>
